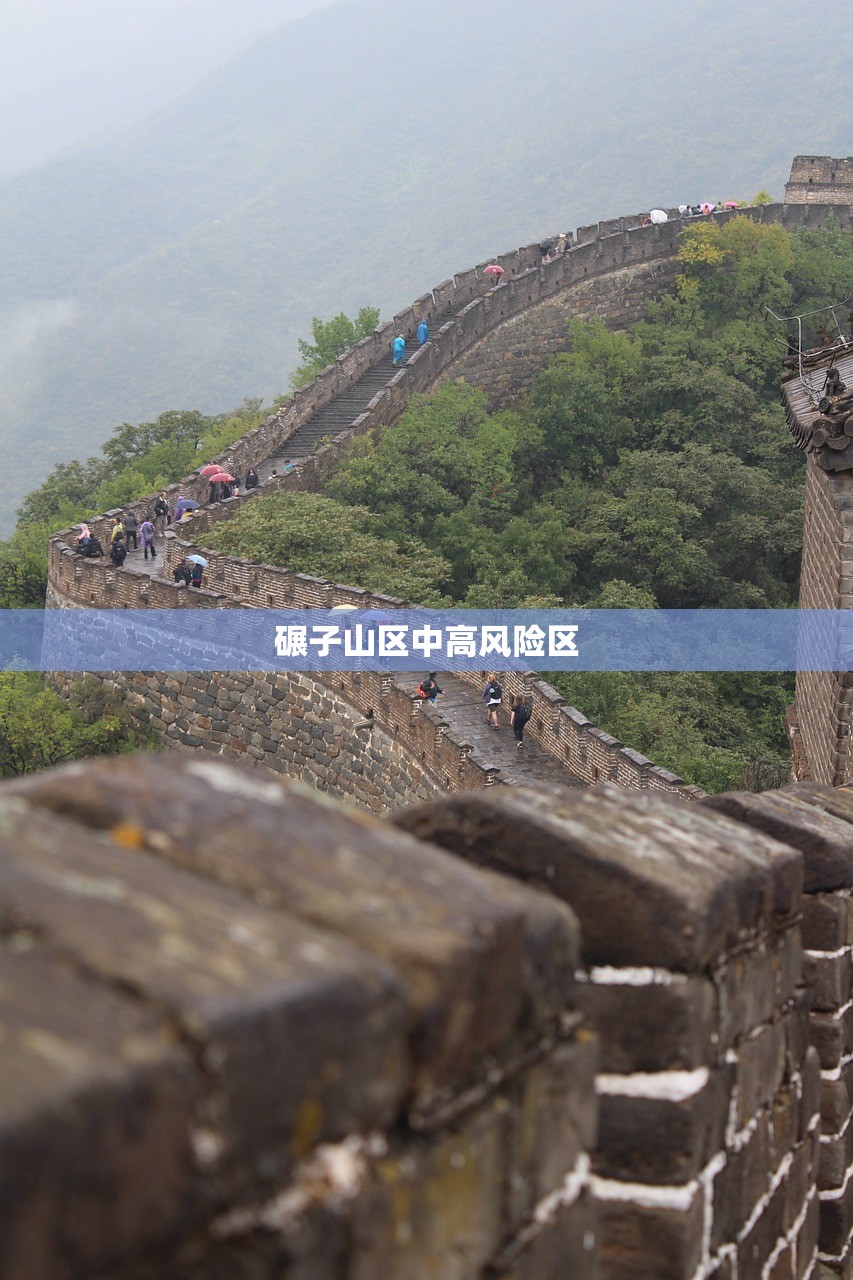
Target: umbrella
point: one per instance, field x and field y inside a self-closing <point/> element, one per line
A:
<point x="198" y="560"/>
<point x="493" y="270"/>
<point x="221" y="477"/>
<point x="730" y="204"/>
<point x="706" y="208"/>
<point x="658" y="215"/>
<point x="210" y="469"/>
<point x="184" y="504"/>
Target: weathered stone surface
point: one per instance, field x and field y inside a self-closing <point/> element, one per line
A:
<point x="653" y="1026"/>
<point x="654" y="881"/>
<point x="661" y="1140"/>
<point x="827" y="921"/>
<point x="553" y="1122"/>
<point x="486" y="964"/>
<point x="565" y="1244"/>
<point x="241" y="984"/>
<point x="433" y="1210"/>
<point x="97" y="1109"/>
<point x="825" y="840"/>
<point x="649" y="1242"/>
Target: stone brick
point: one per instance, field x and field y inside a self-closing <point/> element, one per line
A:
<point x="650" y="1243"/>
<point x="96" y="1115"/>
<point x="270" y="982"/>
<point x="433" y="1211"/>
<point x="657" y="1140"/>
<point x="823" y="838"/>
<point x="487" y="965"/>
<point x="682" y="1013"/>
<point x="566" y="1243"/>
<point x="674" y="908"/>
<point x="552" y="1122"/>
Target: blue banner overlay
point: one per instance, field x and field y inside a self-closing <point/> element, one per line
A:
<point x="425" y="640"/>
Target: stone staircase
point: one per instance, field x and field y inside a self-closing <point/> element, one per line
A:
<point x="331" y="420"/>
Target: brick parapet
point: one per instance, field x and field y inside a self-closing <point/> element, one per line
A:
<point x="285" y="1041"/>
<point x="818" y="821"/>
<point x="707" y="1156"/>
<point x="245" y="1032"/>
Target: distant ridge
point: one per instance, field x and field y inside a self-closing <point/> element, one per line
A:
<point x="341" y="158"/>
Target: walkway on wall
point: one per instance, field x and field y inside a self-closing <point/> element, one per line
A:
<point x="463" y="709"/>
<point x="330" y="421"/>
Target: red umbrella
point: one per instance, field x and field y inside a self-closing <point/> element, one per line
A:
<point x="221" y="477"/>
<point x="493" y="270"/>
<point x="210" y="469"/>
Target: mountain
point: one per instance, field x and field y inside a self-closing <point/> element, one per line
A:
<point x="69" y="73"/>
<point x="360" y="155"/>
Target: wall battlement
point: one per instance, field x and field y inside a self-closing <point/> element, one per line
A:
<point x="820" y="180"/>
<point x="515" y="1035"/>
<point x="495" y="338"/>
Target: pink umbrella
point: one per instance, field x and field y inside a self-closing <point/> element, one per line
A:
<point x="730" y="204"/>
<point x="221" y="477"/>
<point x="706" y="208"/>
<point x="210" y="469"/>
<point x="493" y="270"/>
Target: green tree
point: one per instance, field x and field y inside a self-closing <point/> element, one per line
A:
<point x="311" y="534"/>
<point x="331" y="339"/>
<point x="39" y="729"/>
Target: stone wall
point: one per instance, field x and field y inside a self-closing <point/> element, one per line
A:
<point x="817" y="821"/>
<point x="823" y="698"/>
<point x="504" y="363"/>
<point x="820" y="180"/>
<point x="246" y="1034"/>
<point x="691" y="974"/>
<point x="297" y="725"/>
<point x="479" y="332"/>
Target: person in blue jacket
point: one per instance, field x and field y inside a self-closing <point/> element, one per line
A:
<point x="423" y="332"/>
<point x="399" y="349"/>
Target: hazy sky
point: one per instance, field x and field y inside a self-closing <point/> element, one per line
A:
<point x="42" y="40"/>
<point x="72" y="69"/>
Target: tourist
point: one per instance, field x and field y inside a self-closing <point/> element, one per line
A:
<point x="423" y="332"/>
<point x="118" y="531"/>
<point x="84" y="540"/>
<point x="182" y="572"/>
<point x="131" y="527"/>
<point x="519" y="715"/>
<point x="118" y="552"/>
<point x="428" y="688"/>
<point x="493" y="697"/>
<point x="196" y="574"/>
<point x="161" y="513"/>
<point x="146" y="530"/>
<point x="252" y="480"/>
<point x="399" y="349"/>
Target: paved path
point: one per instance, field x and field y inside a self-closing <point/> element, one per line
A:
<point x="462" y="707"/>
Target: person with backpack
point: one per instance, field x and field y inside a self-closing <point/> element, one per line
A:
<point x="118" y="551"/>
<point x="519" y="715"/>
<point x="428" y="687"/>
<point x="493" y="697"/>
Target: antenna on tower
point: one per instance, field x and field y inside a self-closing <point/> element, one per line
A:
<point x="810" y="361"/>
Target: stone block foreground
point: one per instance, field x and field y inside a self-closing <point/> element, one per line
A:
<point x="249" y="1034"/>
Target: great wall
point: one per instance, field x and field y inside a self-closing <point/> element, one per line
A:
<point x="520" y="1033"/>
<point x="494" y="337"/>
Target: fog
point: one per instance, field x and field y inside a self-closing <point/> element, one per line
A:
<point x="73" y="70"/>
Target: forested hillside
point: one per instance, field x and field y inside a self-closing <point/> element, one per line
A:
<point x="647" y="469"/>
<point x="367" y="151"/>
